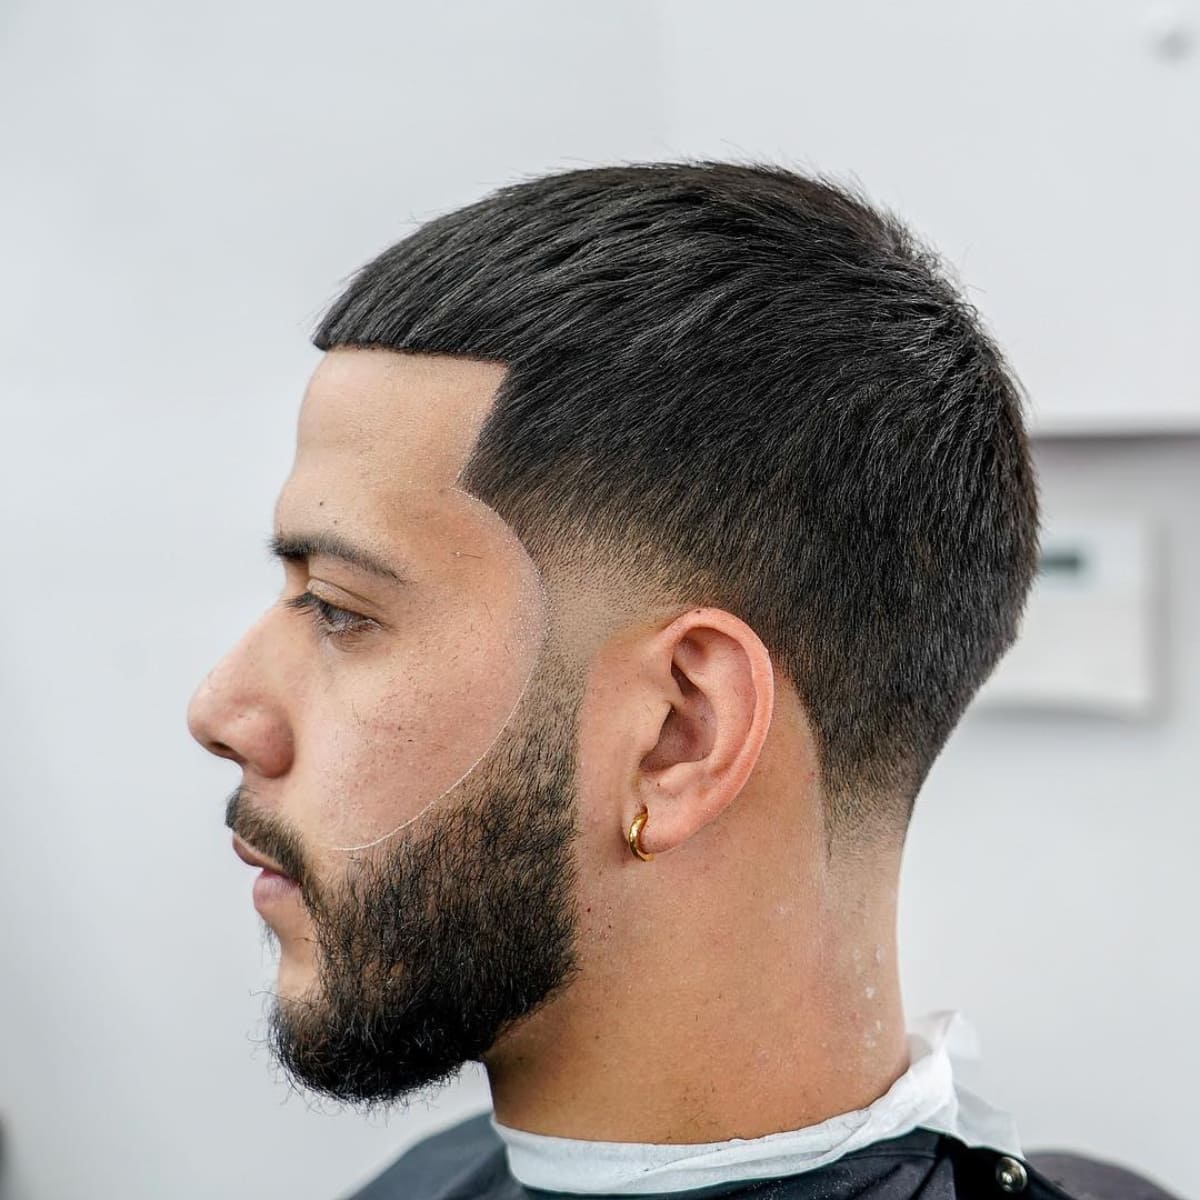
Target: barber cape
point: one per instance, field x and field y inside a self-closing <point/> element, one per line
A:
<point x="927" y="1138"/>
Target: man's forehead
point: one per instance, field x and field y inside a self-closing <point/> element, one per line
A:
<point x="381" y="441"/>
<point x="395" y="411"/>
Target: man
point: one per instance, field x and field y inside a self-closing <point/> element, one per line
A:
<point x="649" y="530"/>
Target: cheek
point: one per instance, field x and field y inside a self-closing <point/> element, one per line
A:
<point x="399" y="728"/>
<point x="388" y="739"/>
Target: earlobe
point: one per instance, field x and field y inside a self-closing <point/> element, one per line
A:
<point x="715" y="679"/>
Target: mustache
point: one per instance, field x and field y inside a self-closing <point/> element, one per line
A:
<point x="267" y="834"/>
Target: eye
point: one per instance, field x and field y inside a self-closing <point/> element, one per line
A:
<point x="331" y="621"/>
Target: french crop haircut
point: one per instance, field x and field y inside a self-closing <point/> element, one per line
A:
<point x="750" y="389"/>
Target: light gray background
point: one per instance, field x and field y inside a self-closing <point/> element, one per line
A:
<point x="182" y="187"/>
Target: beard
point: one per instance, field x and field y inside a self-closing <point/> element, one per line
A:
<point x="429" y="952"/>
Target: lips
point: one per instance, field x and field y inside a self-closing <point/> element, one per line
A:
<point x="254" y="859"/>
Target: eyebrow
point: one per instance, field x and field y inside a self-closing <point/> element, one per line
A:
<point x="299" y="547"/>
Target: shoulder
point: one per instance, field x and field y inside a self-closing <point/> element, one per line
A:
<point x="1045" y="1175"/>
<point x="941" y="1167"/>
<point x="468" y="1161"/>
<point x="1093" y="1179"/>
<point x="464" y="1160"/>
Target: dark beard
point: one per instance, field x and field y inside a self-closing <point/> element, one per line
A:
<point x="428" y="953"/>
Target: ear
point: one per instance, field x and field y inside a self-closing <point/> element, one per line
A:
<point x="708" y="694"/>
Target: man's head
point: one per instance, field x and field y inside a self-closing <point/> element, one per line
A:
<point x="697" y="478"/>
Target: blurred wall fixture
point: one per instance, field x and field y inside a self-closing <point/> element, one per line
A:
<point x="1087" y="642"/>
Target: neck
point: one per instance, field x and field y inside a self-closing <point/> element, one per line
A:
<point x="709" y="1021"/>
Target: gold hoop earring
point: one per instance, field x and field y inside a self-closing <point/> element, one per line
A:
<point x="635" y="836"/>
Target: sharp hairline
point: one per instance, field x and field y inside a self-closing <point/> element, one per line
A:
<point x="297" y="547"/>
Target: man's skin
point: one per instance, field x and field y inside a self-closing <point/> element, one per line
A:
<point x="745" y="981"/>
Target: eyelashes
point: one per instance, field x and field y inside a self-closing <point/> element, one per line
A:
<point x="331" y="622"/>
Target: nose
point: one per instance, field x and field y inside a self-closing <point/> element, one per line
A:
<point x="237" y="713"/>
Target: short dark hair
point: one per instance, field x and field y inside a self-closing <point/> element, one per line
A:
<point x="761" y="392"/>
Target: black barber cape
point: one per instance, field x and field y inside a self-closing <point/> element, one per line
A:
<point x="468" y="1163"/>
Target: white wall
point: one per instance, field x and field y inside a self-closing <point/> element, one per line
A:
<point x="182" y="188"/>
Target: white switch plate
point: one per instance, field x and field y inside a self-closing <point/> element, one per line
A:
<point x="1088" y="638"/>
